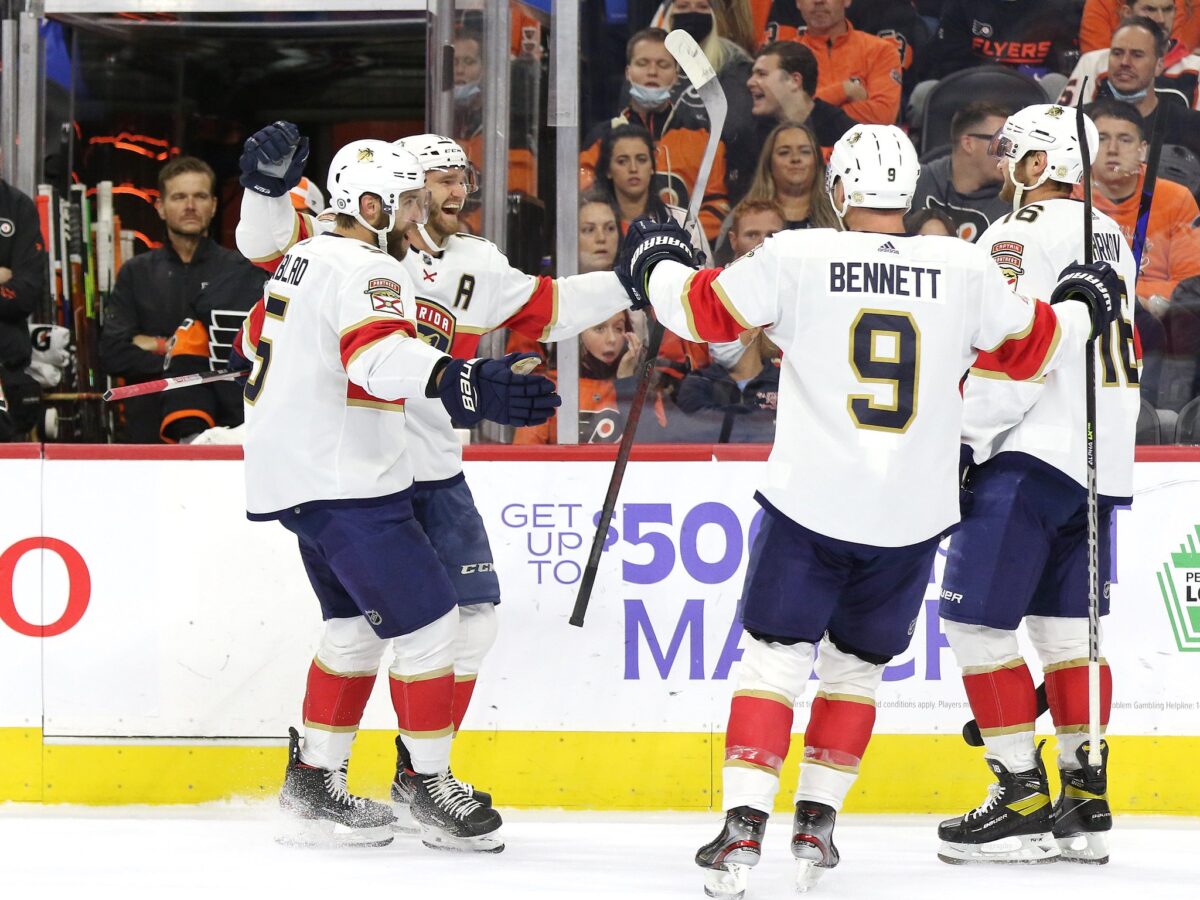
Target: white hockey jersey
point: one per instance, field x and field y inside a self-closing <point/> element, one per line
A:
<point x="876" y="332"/>
<point x="462" y="293"/>
<point x="1031" y="247"/>
<point x="335" y="356"/>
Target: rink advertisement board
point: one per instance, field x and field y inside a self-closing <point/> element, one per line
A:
<point x="141" y="613"/>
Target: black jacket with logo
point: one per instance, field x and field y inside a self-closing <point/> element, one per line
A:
<point x="1034" y="35"/>
<point x="21" y="251"/>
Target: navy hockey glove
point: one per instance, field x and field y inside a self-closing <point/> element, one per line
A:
<point x="498" y="390"/>
<point x="273" y="159"/>
<point x="646" y="244"/>
<point x="1096" y="284"/>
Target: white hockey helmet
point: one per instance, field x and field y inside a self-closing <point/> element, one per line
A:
<point x="1052" y="129"/>
<point x="878" y="168"/>
<point x="375" y="167"/>
<point x="437" y="153"/>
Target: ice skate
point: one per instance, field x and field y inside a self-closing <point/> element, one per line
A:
<point x="447" y="815"/>
<point x="728" y="859"/>
<point x="321" y="812"/>
<point x="812" y="843"/>
<point x="401" y="808"/>
<point x="1081" y="815"/>
<point x="1013" y="825"/>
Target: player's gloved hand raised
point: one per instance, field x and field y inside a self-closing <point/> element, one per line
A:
<point x="500" y="390"/>
<point x="1096" y="284"/>
<point x="273" y="159"/>
<point x="646" y="244"/>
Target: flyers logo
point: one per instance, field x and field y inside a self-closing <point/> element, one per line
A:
<point x="386" y="296"/>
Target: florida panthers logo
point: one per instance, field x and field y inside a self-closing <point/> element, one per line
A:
<point x="435" y="324"/>
<point x="386" y="297"/>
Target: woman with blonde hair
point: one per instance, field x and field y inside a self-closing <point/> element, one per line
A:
<point x="791" y="172"/>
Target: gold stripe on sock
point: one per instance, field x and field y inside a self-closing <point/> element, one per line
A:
<point x="328" y="671"/>
<point x="1070" y="664"/>
<point x="853" y="770"/>
<point x="765" y="695"/>
<point x="423" y="676"/>
<point x="847" y="698"/>
<point x="429" y="735"/>
<point x="1006" y="729"/>
<point x="746" y="764"/>
<point x="996" y="667"/>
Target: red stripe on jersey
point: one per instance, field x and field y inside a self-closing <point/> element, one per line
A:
<point x="710" y="316"/>
<point x="356" y="396"/>
<point x="355" y="340"/>
<point x="759" y="731"/>
<point x="839" y="730"/>
<point x="1067" y="695"/>
<point x="424" y="706"/>
<point x="465" y="346"/>
<point x="1024" y="357"/>
<point x="335" y="700"/>
<point x="1003" y="697"/>
<point x="254" y="323"/>
<point x="1137" y="344"/>
<point x="534" y="318"/>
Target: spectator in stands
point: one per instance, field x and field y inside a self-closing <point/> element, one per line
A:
<point x="732" y="65"/>
<point x="599" y="234"/>
<point x="753" y="222"/>
<point x="1032" y="36"/>
<point x="895" y="20"/>
<point x="1103" y="17"/>
<point x="930" y="221"/>
<point x="679" y="129"/>
<point x="739" y="389"/>
<point x="857" y="71"/>
<point x="1181" y="68"/>
<point x="155" y="291"/>
<point x="22" y="288"/>
<point x="782" y="86"/>
<point x="608" y="358"/>
<point x="1172" y="249"/>
<point x="625" y="174"/>
<point x="1135" y="60"/>
<point x="791" y="173"/>
<point x="965" y="184"/>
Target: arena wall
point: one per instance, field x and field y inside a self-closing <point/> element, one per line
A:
<point x="154" y="643"/>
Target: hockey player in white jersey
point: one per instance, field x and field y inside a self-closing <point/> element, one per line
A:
<point x="1022" y="550"/>
<point x="465" y="288"/>
<point x="876" y="330"/>
<point x="336" y="358"/>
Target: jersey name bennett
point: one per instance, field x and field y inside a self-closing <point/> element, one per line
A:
<point x="883" y="278"/>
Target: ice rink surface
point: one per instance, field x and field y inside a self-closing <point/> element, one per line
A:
<point x="228" y="852"/>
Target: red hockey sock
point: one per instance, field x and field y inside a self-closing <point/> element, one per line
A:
<point x="335" y="702"/>
<point x="1067" y="693"/>
<point x="424" y="704"/>
<point x="464" y="687"/>
<point x="759" y="731"/>
<point x="1001" y="697"/>
<point x="839" y="729"/>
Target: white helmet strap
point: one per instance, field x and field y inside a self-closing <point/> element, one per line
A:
<point x="433" y="245"/>
<point x="1019" y="187"/>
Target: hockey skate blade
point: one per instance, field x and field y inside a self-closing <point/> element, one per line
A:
<point x="1089" y="848"/>
<point x="808" y="873"/>
<point x="728" y="882"/>
<point x="436" y="839"/>
<point x="405" y="823"/>
<point x="321" y="833"/>
<point x="1025" y="849"/>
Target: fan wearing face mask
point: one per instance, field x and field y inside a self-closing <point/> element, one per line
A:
<point x="680" y="131"/>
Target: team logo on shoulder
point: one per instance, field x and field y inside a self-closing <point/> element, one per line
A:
<point x="7" y="228"/>
<point x="366" y="155"/>
<point x="435" y="324"/>
<point x="1007" y="255"/>
<point x="386" y="296"/>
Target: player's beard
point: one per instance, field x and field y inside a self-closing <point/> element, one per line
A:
<point x="397" y="244"/>
<point x="440" y="225"/>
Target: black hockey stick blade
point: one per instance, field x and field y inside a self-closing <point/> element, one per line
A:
<point x="970" y="730"/>
<point x="618" y="473"/>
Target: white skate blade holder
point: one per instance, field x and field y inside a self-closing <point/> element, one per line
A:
<point x="1027" y="849"/>
<point x="727" y="882"/>
<point x="325" y="834"/>
<point x="436" y="839"/>
<point x="808" y="873"/>
<point x="405" y="823"/>
<point x="1090" y="848"/>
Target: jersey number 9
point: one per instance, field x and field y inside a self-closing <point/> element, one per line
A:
<point x="885" y="348"/>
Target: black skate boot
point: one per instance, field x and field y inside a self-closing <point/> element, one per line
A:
<point x="812" y="842"/>
<point x="324" y="812"/>
<point x="728" y="859"/>
<point x="400" y="800"/>
<point x="1081" y="816"/>
<point x="1013" y="825"/>
<point x="448" y="817"/>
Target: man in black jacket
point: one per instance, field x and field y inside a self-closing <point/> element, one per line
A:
<point x="155" y="291"/>
<point x="22" y="288"/>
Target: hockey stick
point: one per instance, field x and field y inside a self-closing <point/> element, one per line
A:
<point x="1093" y="527"/>
<point x="700" y="73"/>
<point x="1148" y="185"/>
<point x="169" y="384"/>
